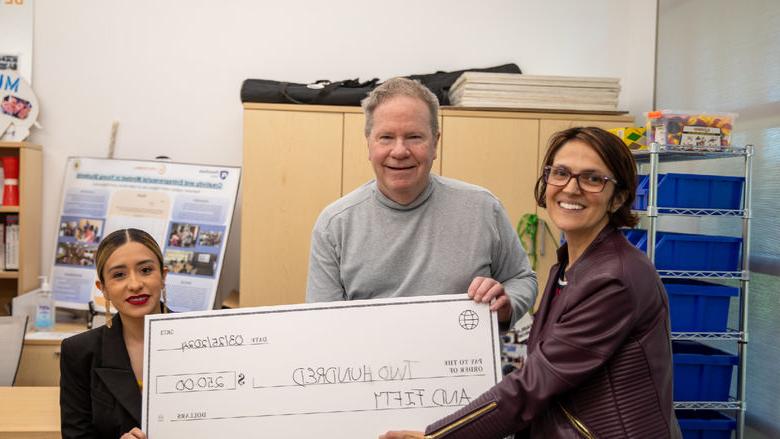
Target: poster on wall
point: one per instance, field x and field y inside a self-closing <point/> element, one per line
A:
<point x="187" y="208"/>
<point x="18" y="107"/>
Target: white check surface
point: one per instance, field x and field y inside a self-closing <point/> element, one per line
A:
<point x="344" y="369"/>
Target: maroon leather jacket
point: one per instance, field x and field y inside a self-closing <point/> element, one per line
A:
<point x="599" y="358"/>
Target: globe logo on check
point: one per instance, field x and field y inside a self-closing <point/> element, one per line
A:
<point x="468" y="319"/>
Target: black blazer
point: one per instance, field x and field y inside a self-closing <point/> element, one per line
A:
<point x="99" y="396"/>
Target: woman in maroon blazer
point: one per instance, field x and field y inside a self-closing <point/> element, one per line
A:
<point x="101" y="369"/>
<point x="599" y="359"/>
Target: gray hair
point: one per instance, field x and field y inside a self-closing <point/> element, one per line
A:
<point x="400" y="87"/>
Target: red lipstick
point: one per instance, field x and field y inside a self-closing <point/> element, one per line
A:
<point x="139" y="300"/>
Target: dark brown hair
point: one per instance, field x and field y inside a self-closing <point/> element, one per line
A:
<point x="118" y="238"/>
<point x="615" y="155"/>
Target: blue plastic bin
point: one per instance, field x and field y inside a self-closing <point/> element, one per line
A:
<point x="697" y="306"/>
<point x="705" y="424"/>
<point x="684" y="251"/>
<point x="692" y="191"/>
<point x="701" y="372"/>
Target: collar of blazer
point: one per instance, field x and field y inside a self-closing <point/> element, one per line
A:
<point x="116" y="373"/>
<point x="563" y="254"/>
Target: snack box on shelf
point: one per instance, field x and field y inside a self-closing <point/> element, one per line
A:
<point x="633" y="137"/>
<point x="691" y="130"/>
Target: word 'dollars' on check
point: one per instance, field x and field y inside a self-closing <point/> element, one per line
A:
<point x="345" y="369"/>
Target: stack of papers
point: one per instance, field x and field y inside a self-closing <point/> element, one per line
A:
<point x="514" y="90"/>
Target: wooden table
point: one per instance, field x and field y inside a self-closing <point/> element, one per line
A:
<point x="29" y="412"/>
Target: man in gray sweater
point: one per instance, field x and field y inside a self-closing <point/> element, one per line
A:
<point x="411" y="233"/>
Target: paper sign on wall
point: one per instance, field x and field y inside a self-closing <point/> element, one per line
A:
<point x="18" y="106"/>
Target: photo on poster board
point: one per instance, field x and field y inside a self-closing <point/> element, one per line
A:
<point x="187" y="208"/>
<point x="86" y="230"/>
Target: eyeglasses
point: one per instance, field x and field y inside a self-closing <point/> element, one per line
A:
<point x="587" y="181"/>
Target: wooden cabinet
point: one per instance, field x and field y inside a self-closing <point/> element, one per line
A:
<point x="40" y="363"/>
<point x="292" y="170"/>
<point x="493" y="152"/>
<point x="300" y="158"/>
<point x="356" y="168"/>
<point x="25" y="279"/>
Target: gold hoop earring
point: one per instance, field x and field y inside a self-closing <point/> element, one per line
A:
<point x="165" y="301"/>
<point x="108" y="313"/>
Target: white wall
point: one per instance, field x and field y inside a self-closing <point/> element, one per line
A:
<point x="170" y="71"/>
<point x="16" y="25"/>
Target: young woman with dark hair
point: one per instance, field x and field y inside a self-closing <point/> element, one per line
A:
<point x="101" y="369"/>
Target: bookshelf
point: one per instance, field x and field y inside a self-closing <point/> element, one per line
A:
<point x="13" y="283"/>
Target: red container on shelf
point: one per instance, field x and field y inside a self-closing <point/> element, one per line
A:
<point x="11" y="181"/>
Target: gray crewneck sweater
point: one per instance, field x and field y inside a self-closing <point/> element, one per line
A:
<point x="366" y="246"/>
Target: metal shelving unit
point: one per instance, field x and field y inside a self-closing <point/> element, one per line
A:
<point x="656" y="154"/>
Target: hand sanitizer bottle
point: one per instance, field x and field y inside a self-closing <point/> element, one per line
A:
<point x="45" y="308"/>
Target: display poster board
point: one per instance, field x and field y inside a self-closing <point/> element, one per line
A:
<point x="187" y="208"/>
<point x="336" y="370"/>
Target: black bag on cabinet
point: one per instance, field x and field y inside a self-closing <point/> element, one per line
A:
<point x="347" y="92"/>
<point x="350" y="91"/>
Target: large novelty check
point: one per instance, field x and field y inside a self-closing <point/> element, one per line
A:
<point x="344" y="369"/>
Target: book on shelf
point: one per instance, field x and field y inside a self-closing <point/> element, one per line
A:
<point x="2" y="245"/>
<point x="11" y="246"/>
